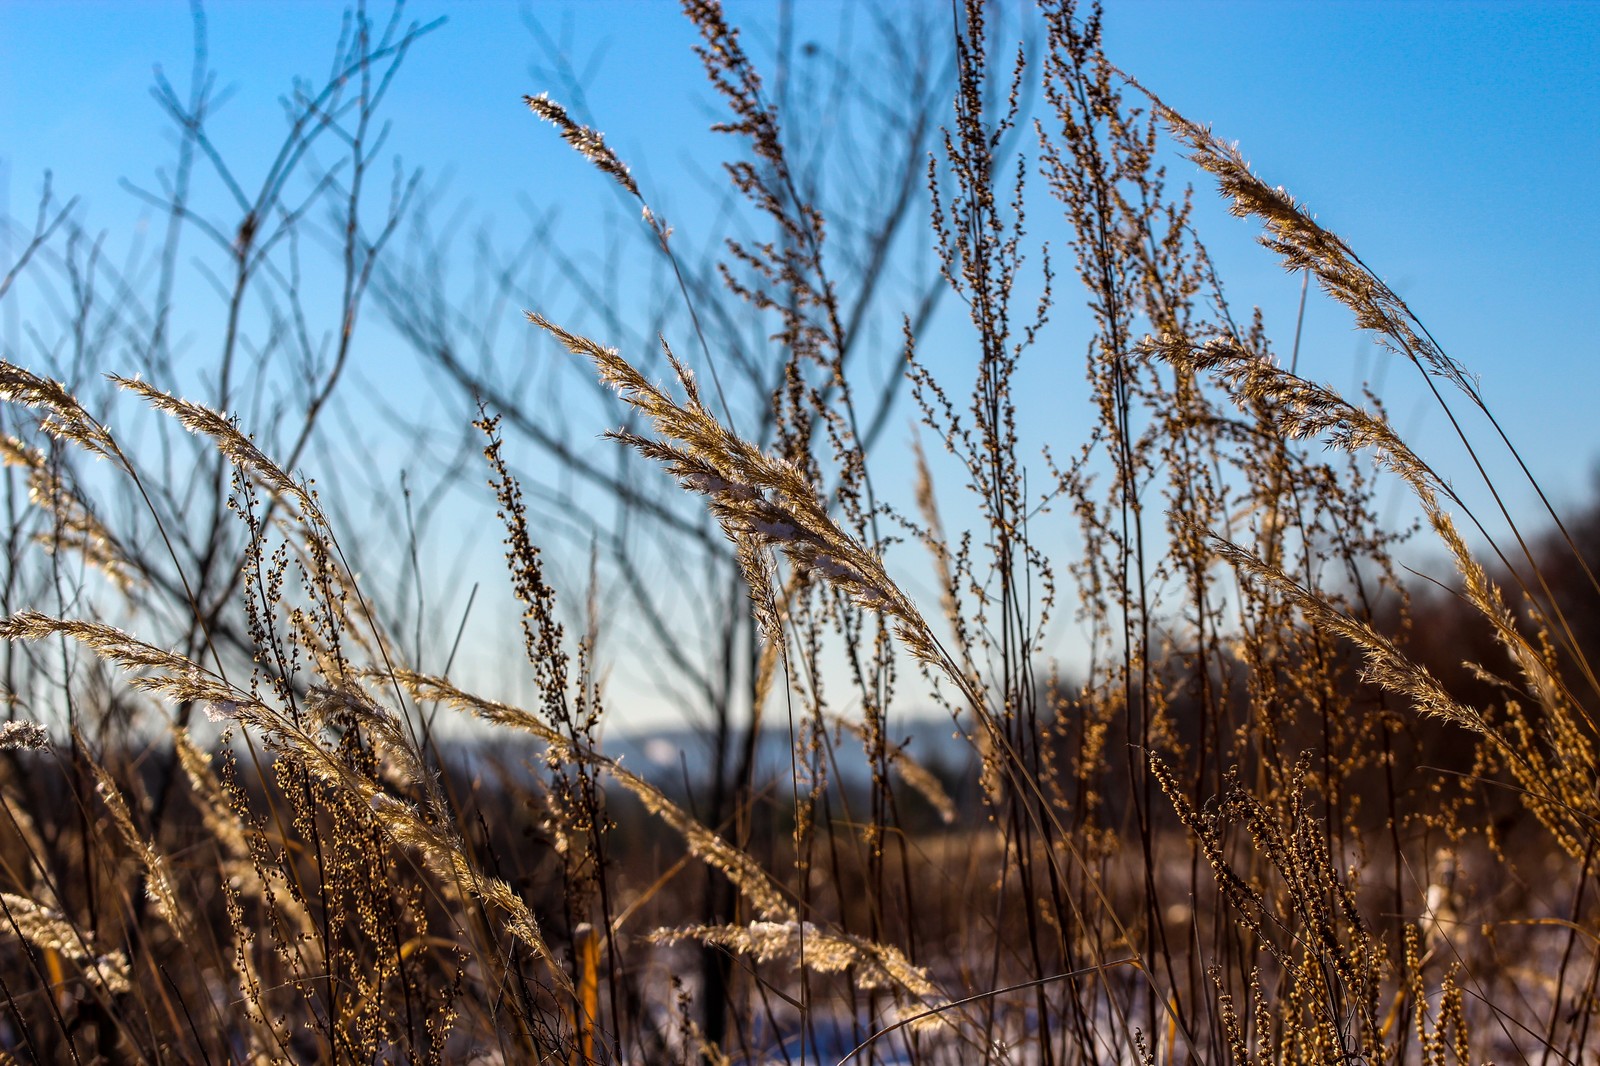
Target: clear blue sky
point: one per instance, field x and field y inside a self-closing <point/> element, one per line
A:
<point x="1455" y="145"/>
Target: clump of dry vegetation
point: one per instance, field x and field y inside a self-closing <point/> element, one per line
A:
<point x="1268" y="822"/>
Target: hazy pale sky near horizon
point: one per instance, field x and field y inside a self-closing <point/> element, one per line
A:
<point x="1455" y="145"/>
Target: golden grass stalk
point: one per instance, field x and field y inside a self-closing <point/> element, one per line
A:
<point x="916" y="777"/>
<point x="267" y="884"/>
<point x="75" y="527"/>
<point x="65" y="418"/>
<point x="587" y="940"/>
<point x="759" y="500"/>
<point x="872" y="965"/>
<point x="240" y="450"/>
<point x="159" y="885"/>
<point x="767" y="504"/>
<point x="1304" y="245"/>
<point x="591" y="144"/>
<point x="1559" y="788"/>
<point x="50" y="930"/>
<point x="177" y="678"/>
<point x="753" y="882"/>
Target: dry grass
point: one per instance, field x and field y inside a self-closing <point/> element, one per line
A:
<point x="1259" y="828"/>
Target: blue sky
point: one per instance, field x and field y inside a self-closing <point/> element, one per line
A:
<point x="1455" y="145"/>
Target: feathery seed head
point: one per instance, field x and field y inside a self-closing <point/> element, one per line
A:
<point x="591" y="144"/>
